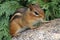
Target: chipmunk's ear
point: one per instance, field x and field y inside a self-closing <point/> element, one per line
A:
<point x="30" y="6"/>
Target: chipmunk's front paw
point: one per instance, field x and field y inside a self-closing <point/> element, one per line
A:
<point x="33" y="28"/>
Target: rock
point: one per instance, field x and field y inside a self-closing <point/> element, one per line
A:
<point x="47" y="31"/>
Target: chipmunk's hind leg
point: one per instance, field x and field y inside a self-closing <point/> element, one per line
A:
<point x="14" y="29"/>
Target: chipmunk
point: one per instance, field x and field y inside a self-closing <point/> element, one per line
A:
<point x="25" y="18"/>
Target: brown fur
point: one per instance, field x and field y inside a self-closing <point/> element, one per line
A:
<point x="25" y="19"/>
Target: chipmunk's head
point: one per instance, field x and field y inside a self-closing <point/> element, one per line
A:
<point x="36" y="13"/>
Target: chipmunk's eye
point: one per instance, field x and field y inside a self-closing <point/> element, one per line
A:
<point x="36" y="13"/>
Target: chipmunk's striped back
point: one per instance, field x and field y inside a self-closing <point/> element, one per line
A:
<point x="25" y="17"/>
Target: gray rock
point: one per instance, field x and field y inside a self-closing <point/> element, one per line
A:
<point x="47" y="31"/>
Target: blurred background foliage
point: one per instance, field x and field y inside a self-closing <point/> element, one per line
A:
<point x="8" y="7"/>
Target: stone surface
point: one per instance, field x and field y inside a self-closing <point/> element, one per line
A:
<point x="47" y="31"/>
